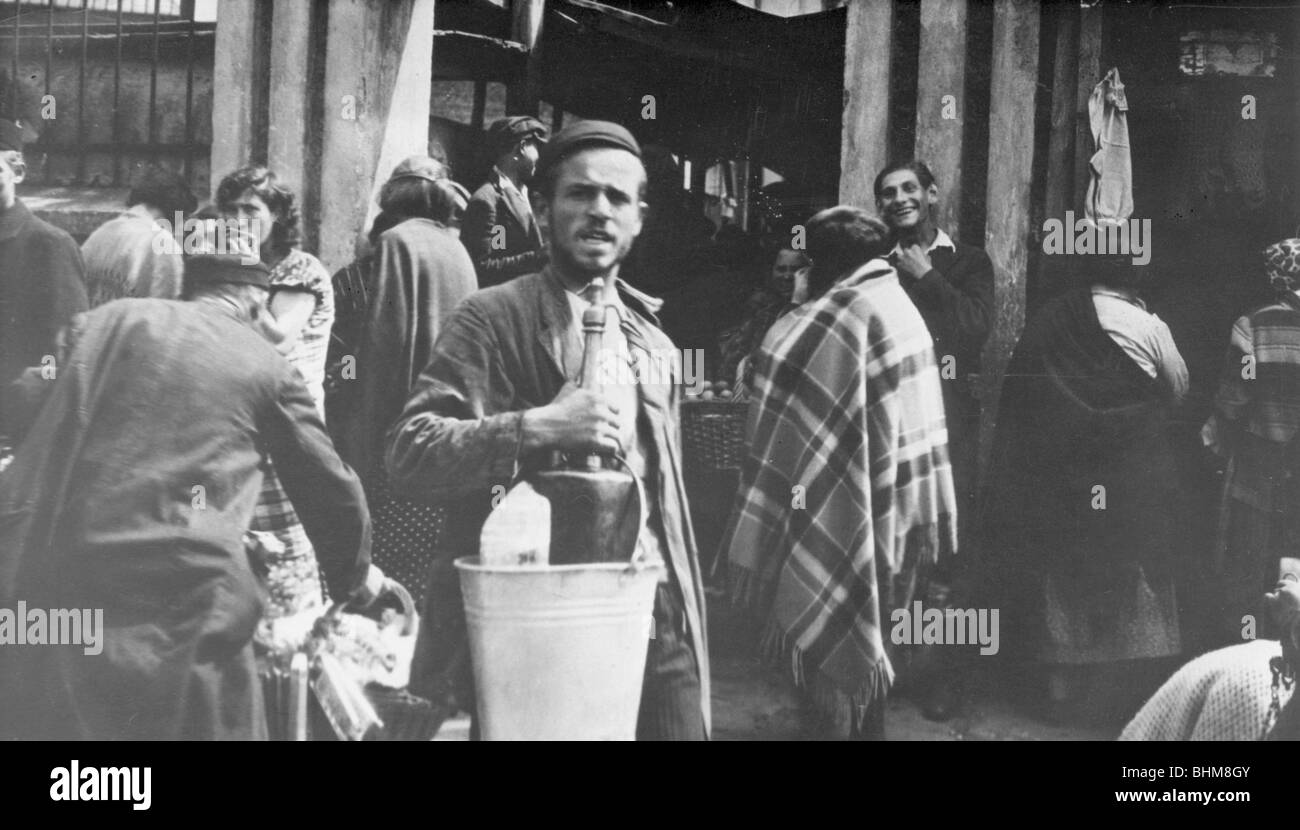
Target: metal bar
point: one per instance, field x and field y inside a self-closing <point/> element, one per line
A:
<point x="117" y="99"/>
<point x="81" y="90"/>
<point x="187" y="9"/>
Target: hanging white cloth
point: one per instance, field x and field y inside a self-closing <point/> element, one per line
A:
<point x="1109" y="200"/>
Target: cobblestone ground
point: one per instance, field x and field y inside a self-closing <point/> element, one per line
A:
<point x="752" y="702"/>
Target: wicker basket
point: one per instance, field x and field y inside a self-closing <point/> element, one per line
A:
<point x="713" y="435"/>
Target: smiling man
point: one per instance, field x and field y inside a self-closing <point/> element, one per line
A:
<point x="499" y="397"/>
<point x="952" y="286"/>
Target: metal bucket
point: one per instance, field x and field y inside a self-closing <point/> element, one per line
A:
<point x="559" y="651"/>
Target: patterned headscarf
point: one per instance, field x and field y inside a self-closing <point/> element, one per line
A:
<point x="1282" y="264"/>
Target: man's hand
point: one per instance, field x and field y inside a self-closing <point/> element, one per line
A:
<point x="1283" y="604"/>
<point x="799" y="295"/>
<point x="913" y="261"/>
<point x="578" y="420"/>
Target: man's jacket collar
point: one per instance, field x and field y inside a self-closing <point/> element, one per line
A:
<point x="13" y="220"/>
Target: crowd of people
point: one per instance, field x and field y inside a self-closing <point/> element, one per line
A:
<point x="204" y="443"/>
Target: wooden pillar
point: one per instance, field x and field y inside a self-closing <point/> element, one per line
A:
<point x="1014" y="85"/>
<point x="942" y="73"/>
<point x="864" y="144"/>
<point x="523" y="94"/>
<point x="378" y="77"/>
<point x="234" y="97"/>
<point x="289" y="121"/>
<point x="1089" y="75"/>
<point x="1053" y="272"/>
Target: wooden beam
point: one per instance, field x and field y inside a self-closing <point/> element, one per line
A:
<point x="288" y="125"/>
<point x="378" y="78"/>
<point x="864" y="144"/>
<point x="233" y="96"/>
<point x="524" y="94"/>
<point x="942" y="73"/>
<point x="1089" y="75"/>
<point x="1014" y="86"/>
<point x="1052" y="272"/>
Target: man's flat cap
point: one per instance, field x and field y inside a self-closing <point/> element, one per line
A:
<point x="580" y="135"/>
<point x="209" y="269"/>
<point x="504" y="133"/>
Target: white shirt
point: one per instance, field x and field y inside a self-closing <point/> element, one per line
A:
<point x="941" y="240"/>
<point x="1143" y="336"/>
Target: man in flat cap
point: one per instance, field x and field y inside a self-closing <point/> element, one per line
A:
<point x="499" y="229"/>
<point x="131" y="495"/>
<point x="41" y="278"/>
<point x="499" y="397"/>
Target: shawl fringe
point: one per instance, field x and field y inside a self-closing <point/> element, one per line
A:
<point x="780" y="652"/>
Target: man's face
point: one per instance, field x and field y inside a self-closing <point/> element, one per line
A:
<point x="595" y="212"/>
<point x="528" y="154"/>
<point x="12" y="171"/>
<point x="784" y="267"/>
<point x="903" y="204"/>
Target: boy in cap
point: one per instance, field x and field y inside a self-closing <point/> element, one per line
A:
<point x="499" y="397"/>
<point x="499" y="229"/>
<point x="41" y="277"/>
<point x="131" y="494"/>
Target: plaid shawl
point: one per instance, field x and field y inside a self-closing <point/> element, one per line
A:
<point x="847" y="489"/>
<point x="1258" y="416"/>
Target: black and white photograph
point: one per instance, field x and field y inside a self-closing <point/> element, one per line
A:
<point x="636" y="370"/>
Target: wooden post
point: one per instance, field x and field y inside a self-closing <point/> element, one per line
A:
<point x="522" y="94"/>
<point x="1089" y="75"/>
<point x="1014" y="85"/>
<point x="864" y="144"/>
<point x="289" y="120"/>
<point x="1060" y="153"/>
<point x="940" y="104"/>
<point x="233" y="94"/>
<point x="378" y="78"/>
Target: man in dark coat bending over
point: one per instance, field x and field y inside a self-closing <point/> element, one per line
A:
<point x="130" y="497"/>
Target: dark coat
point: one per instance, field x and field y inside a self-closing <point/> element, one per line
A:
<point x="42" y="284"/>
<point x="132" y="493"/>
<point x="955" y="299"/>
<point x="493" y="205"/>
<point x="418" y="274"/>
<point x="497" y="356"/>
<point x="1076" y="413"/>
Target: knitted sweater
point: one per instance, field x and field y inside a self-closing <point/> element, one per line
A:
<point x="1220" y="696"/>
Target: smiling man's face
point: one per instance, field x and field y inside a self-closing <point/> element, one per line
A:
<point x="595" y="212"/>
<point x="904" y="205"/>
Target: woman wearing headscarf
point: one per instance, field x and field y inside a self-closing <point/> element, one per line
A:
<point x="302" y="303"/>
<point x="417" y="273"/>
<point x="1082" y="508"/>
<point x="1254" y="424"/>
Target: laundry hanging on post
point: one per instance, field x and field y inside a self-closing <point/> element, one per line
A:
<point x="1109" y="200"/>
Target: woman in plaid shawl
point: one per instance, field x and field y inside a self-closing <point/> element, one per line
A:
<point x="1254" y="425"/>
<point x="847" y="491"/>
